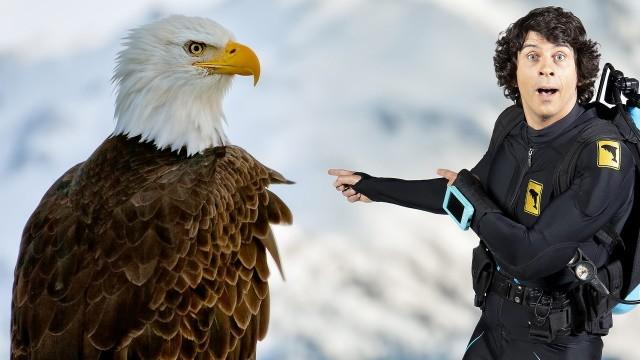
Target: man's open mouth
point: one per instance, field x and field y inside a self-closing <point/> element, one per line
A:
<point x="547" y="91"/>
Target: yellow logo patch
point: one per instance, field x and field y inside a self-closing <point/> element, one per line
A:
<point x="609" y="154"/>
<point x="533" y="198"/>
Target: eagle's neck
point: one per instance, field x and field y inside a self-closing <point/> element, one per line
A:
<point x="172" y="113"/>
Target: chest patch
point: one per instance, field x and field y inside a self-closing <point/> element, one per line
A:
<point x="533" y="198"/>
<point x="609" y="154"/>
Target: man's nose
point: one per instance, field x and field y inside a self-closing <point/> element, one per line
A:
<point x="546" y="68"/>
<point x="546" y="72"/>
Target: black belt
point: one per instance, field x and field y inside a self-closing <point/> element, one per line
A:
<point x="550" y="312"/>
<point x="517" y="293"/>
<point x="525" y="295"/>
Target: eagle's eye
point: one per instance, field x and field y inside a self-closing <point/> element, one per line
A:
<point x="194" y="48"/>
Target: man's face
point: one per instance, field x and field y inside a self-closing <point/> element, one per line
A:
<point x="547" y="80"/>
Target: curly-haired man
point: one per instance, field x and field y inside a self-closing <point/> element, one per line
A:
<point x="529" y="229"/>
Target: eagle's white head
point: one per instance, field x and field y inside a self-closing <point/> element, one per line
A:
<point x="170" y="80"/>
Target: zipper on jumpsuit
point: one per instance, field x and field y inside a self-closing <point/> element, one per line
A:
<point x="512" y="204"/>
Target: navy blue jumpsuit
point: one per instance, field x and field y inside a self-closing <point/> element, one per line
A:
<point x="539" y="231"/>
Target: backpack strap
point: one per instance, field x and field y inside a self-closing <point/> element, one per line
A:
<point x="482" y="264"/>
<point x="506" y="122"/>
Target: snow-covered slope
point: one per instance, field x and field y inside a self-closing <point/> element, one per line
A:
<point x="393" y="88"/>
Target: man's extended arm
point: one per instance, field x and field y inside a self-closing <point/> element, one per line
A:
<point x="424" y="195"/>
<point x="417" y="194"/>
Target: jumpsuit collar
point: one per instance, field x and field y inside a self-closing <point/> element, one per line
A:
<point x="537" y="137"/>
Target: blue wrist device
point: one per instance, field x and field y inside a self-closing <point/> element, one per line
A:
<point x="458" y="207"/>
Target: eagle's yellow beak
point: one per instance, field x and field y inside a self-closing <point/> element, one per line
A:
<point x="235" y="59"/>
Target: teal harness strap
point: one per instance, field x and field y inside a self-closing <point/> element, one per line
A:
<point x="473" y="341"/>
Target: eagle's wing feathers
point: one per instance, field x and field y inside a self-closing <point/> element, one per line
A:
<point x="220" y="294"/>
<point x="172" y="263"/>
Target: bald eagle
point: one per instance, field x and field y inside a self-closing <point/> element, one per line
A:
<point x="155" y="247"/>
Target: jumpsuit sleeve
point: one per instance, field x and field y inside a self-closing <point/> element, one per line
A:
<point x="573" y="217"/>
<point x="426" y="195"/>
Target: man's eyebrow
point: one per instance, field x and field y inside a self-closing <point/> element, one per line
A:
<point x="537" y="47"/>
<point x="530" y="45"/>
<point x="563" y="45"/>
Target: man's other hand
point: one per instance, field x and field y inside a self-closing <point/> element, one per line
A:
<point x="448" y="174"/>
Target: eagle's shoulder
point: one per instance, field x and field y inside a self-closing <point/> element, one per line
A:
<point x="53" y="203"/>
<point x="239" y="159"/>
<point x="54" y="213"/>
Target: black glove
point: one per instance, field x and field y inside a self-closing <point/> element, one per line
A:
<point x="472" y="189"/>
<point x="363" y="176"/>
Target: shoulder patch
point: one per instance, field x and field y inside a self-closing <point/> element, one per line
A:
<point x="609" y="154"/>
<point x="533" y="198"/>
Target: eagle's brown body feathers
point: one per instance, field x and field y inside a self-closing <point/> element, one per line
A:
<point x="145" y="254"/>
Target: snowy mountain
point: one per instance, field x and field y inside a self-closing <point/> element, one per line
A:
<point x="392" y="88"/>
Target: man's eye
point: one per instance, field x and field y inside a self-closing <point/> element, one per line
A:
<point x="532" y="57"/>
<point x="560" y="57"/>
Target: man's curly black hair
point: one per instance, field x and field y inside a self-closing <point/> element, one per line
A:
<point x="557" y="26"/>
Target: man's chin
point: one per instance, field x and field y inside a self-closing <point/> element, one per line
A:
<point x="547" y="110"/>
